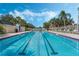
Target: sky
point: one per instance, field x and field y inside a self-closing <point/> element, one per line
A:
<point x="38" y="13"/>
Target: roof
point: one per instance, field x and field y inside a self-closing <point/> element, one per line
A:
<point x="8" y="23"/>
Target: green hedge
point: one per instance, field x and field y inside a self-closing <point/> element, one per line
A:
<point x="1" y="30"/>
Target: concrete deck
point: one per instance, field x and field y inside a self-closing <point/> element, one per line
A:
<point x="76" y="36"/>
<point x="10" y="34"/>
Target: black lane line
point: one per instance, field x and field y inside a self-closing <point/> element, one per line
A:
<point x="23" y="51"/>
<point x="14" y="41"/>
<point x="21" y="46"/>
<point x="53" y="52"/>
<point x="46" y="47"/>
<point x="71" y="44"/>
<point x="38" y="46"/>
<point x="62" y="36"/>
<point x="23" y="43"/>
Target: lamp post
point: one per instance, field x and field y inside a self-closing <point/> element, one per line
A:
<point x="78" y="21"/>
<point x="64" y="23"/>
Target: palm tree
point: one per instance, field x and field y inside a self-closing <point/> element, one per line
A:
<point x="63" y="19"/>
<point x="66" y="18"/>
<point x="63" y="16"/>
<point x="46" y="25"/>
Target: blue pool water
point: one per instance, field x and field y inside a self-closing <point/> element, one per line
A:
<point x="39" y="44"/>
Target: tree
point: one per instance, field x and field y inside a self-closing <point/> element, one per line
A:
<point x="9" y="19"/>
<point x="1" y="29"/>
<point x="65" y="18"/>
<point x="46" y="25"/>
<point x="29" y="25"/>
<point x="21" y="21"/>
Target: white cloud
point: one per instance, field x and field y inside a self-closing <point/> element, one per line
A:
<point x="48" y="14"/>
<point x="16" y="13"/>
<point x="33" y="16"/>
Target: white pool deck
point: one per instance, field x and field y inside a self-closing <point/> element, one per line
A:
<point x="10" y="34"/>
<point x="76" y="36"/>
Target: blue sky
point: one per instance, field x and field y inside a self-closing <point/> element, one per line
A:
<point x="38" y="13"/>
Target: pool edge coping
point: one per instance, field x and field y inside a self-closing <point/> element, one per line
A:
<point x="4" y="37"/>
<point x="65" y="36"/>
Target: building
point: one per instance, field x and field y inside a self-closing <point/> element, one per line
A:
<point x="9" y="27"/>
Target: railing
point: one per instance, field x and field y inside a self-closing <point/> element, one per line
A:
<point x="69" y="28"/>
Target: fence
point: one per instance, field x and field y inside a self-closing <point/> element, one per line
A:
<point x="69" y="28"/>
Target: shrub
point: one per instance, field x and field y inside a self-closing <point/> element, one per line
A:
<point x="1" y="30"/>
<point x="26" y="29"/>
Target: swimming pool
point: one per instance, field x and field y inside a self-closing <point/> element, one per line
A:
<point x="39" y="44"/>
